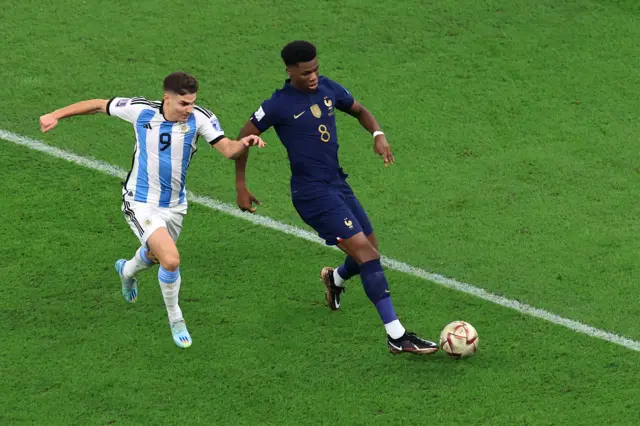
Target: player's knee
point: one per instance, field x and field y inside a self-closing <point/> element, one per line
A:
<point x="367" y="254"/>
<point x="373" y="240"/>
<point x="171" y="262"/>
<point x="365" y="251"/>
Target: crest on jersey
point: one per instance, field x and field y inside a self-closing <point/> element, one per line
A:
<point x="348" y="222"/>
<point x="183" y="127"/>
<point x="316" y="111"/>
<point x="329" y="105"/>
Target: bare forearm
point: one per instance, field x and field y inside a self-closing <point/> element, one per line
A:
<point x="81" y="108"/>
<point x="241" y="167"/>
<point x="234" y="149"/>
<point x="367" y="120"/>
<point x="237" y="150"/>
<point x="241" y="161"/>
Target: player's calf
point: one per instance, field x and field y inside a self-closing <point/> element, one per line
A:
<point x="141" y="260"/>
<point x="170" y="282"/>
<point x="377" y="289"/>
<point x="346" y="271"/>
<point x="335" y="280"/>
<point x="128" y="269"/>
<point x="163" y="246"/>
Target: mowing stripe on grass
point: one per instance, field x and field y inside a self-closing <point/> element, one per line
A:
<point x="306" y="235"/>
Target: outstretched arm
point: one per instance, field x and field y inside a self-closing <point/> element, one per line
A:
<point x="234" y="149"/>
<point x="369" y="122"/>
<point x="244" y="198"/>
<point x="49" y="121"/>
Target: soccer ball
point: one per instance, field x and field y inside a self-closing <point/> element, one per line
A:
<point x="459" y="339"/>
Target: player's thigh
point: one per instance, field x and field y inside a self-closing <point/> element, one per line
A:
<point x="173" y="217"/>
<point x="162" y="245"/>
<point x="330" y="217"/>
<point x="142" y="218"/>
<point x="356" y="208"/>
<point x="149" y="224"/>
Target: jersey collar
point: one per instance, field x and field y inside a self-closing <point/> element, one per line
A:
<point x="291" y="87"/>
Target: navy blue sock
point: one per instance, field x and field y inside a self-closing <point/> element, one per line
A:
<point x="377" y="289"/>
<point x="349" y="268"/>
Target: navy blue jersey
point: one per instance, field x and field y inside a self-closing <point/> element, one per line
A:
<point x="306" y="124"/>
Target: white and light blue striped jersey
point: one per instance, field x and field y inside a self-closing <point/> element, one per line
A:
<point x="163" y="149"/>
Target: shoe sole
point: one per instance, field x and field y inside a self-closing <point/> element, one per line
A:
<point x="182" y="345"/>
<point x="324" y="276"/>
<point x="396" y="351"/>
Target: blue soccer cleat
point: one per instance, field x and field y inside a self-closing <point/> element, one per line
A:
<point x="129" y="286"/>
<point x="181" y="335"/>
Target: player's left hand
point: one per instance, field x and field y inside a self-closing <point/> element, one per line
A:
<point x="381" y="147"/>
<point x="245" y="200"/>
<point x="47" y="122"/>
<point x="253" y="140"/>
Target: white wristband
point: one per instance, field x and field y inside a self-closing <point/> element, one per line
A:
<point x="376" y="133"/>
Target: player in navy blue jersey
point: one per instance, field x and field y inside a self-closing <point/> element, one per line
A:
<point x="303" y="115"/>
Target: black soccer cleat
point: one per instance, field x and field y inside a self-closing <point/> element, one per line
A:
<point x="333" y="292"/>
<point x="411" y="343"/>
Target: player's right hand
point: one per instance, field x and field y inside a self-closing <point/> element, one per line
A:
<point x="48" y="122"/>
<point x="245" y="200"/>
<point x="382" y="148"/>
<point x="253" y="140"/>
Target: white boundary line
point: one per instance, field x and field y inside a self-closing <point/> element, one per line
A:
<point x="306" y="235"/>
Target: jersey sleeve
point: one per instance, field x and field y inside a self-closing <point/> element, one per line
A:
<point x="267" y="115"/>
<point x="127" y="108"/>
<point x="344" y="100"/>
<point x="208" y="125"/>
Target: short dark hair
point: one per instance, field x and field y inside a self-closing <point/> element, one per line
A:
<point x="298" y="51"/>
<point x="180" y="83"/>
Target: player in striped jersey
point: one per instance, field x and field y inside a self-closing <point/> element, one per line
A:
<point x="154" y="199"/>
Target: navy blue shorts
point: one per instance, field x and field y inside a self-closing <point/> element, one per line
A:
<point x="332" y="210"/>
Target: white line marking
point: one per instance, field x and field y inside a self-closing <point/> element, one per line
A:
<point x="306" y="235"/>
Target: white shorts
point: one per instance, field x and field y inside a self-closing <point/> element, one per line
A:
<point x="145" y="218"/>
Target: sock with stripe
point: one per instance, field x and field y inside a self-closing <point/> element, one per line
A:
<point x="138" y="263"/>
<point x="170" y="286"/>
